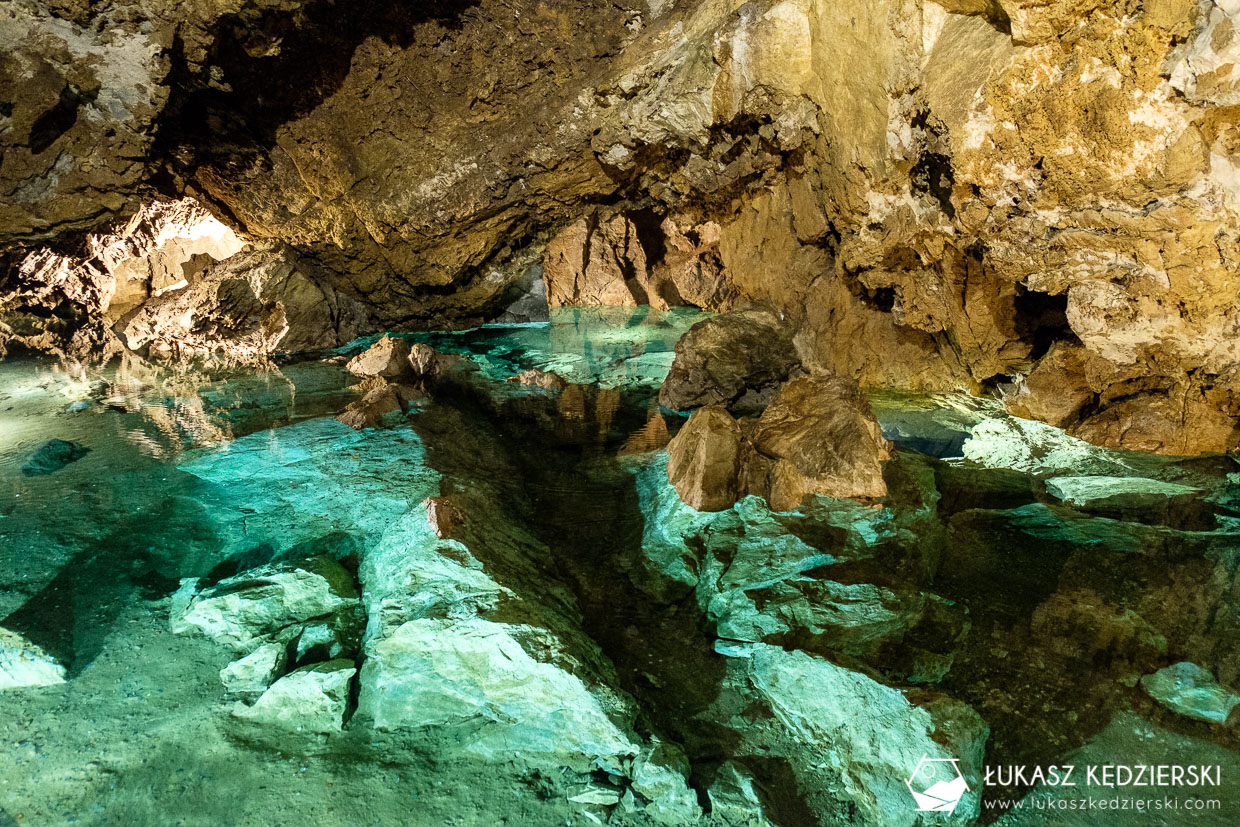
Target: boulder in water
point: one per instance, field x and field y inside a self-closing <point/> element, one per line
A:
<point x="388" y="358"/>
<point x="736" y="359"/>
<point x="53" y="455"/>
<point x="703" y="459"/>
<point x="244" y="610"/>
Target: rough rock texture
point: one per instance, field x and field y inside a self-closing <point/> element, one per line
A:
<point x="1188" y="689"/>
<point x="57" y="302"/>
<point x="737" y="359"/>
<point x="51" y="456"/>
<point x="818" y="436"/>
<point x="260" y="302"/>
<point x="936" y="193"/>
<point x="704" y="460"/>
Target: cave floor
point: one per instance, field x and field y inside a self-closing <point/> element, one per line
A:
<point x="1016" y="570"/>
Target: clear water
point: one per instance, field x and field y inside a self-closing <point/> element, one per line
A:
<point x="1039" y="615"/>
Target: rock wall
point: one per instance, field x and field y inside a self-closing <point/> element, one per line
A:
<point x="939" y="194"/>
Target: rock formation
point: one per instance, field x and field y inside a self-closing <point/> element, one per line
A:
<point x="737" y="359"/>
<point x="936" y="194"/>
<point x="818" y="436"/>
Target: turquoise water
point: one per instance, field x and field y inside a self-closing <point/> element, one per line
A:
<point x="579" y="646"/>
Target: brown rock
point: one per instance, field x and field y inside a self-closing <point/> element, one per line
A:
<point x="821" y="437"/>
<point x="595" y="263"/>
<point x="262" y="301"/>
<point x="1056" y="389"/>
<point x="443" y="514"/>
<point x="540" y="379"/>
<point x="388" y="358"/>
<point x="703" y="460"/>
<point x="736" y="359"/>
<point x="423" y="360"/>
<point x="380" y="398"/>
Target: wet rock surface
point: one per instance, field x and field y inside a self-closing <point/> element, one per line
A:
<point x="744" y="664"/>
<point x="52" y="456"/>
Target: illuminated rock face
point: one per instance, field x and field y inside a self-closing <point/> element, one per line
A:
<point x="937" y="194"/>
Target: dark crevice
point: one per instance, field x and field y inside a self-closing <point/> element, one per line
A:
<point x="1041" y="319"/>
<point x="60" y="118"/>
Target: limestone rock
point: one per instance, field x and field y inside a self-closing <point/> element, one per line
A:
<point x="704" y="459"/>
<point x="53" y="455"/>
<point x="736" y="359"/>
<point x="241" y="611"/>
<point x="259" y="302"/>
<point x="1188" y="689"/>
<point x="387" y="358"/>
<point x="22" y="663"/>
<point x="818" y="436"/>
<point x="310" y="699"/>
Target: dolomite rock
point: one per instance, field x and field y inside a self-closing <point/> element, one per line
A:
<point x="309" y="699"/>
<point x="931" y="193"/>
<point x="1189" y="690"/>
<point x="23" y="664"/>
<point x="704" y="460"/>
<point x="818" y="436"/>
<point x="241" y="611"/>
<point x="257" y="303"/>
<point x="661" y="778"/>
<point x="733" y="797"/>
<point x="1125" y="497"/>
<point x="737" y="359"/>
<point x="592" y="263"/>
<point x="380" y="397"/>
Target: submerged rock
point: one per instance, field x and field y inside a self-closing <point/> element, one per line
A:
<point x="852" y="739"/>
<point x="474" y="676"/>
<point x="818" y="436"/>
<point x="661" y="778"/>
<point x="704" y="460"/>
<point x="733" y="797"/>
<point x="1188" y="689"/>
<point x="310" y="699"/>
<point x="22" y="663"/>
<point x="736" y="359"/>
<point x="1132" y="498"/>
<point x="241" y="611"/>
<point x="53" y="455"/>
<point x="252" y="674"/>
